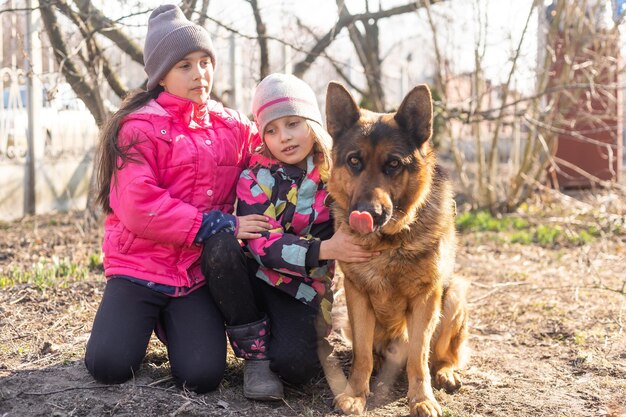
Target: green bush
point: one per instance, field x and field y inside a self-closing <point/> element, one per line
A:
<point x="515" y="229"/>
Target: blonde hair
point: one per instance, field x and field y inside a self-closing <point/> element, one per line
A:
<point x="323" y="147"/>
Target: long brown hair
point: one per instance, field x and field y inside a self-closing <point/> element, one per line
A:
<point x="109" y="149"/>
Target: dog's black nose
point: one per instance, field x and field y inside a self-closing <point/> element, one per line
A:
<point x="377" y="211"/>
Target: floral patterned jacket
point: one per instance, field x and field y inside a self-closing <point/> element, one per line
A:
<point x="288" y="254"/>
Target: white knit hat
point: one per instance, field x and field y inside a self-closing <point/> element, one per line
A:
<point x="280" y="95"/>
<point x="170" y="38"/>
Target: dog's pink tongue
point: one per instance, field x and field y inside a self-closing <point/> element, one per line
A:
<point x="362" y="222"/>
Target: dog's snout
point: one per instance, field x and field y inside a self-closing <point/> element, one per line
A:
<point x="376" y="210"/>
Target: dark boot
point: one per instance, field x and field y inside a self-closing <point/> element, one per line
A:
<point x="259" y="382"/>
<point x="250" y="342"/>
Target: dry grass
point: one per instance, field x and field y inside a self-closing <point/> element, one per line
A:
<point x="546" y="325"/>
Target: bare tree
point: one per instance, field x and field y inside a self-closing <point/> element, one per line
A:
<point x="83" y="62"/>
<point x="485" y="119"/>
<point x="261" y="31"/>
<point x="84" y="65"/>
<point x="343" y="21"/>
<point x="87" y="44"/>
<point x="365" y="41"/>
<point x="367" y="46"/>
<point x="81" y="65"/>
<point x="514" y="134"/>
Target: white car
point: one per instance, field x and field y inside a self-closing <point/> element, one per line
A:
<point x="67" y="127"/>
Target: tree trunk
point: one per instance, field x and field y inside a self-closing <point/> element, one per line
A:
<point x="264" y="68"/>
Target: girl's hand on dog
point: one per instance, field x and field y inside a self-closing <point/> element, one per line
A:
<point x="346" y="248"/>
<point x="251" y="226"/>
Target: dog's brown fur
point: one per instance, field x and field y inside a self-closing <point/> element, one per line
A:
<point x="403" y="304"/>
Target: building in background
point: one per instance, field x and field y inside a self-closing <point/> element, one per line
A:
<point x="589" y="145"/>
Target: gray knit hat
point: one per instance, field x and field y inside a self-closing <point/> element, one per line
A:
<point x="280" y="95"/>
<point x="170" y="38"/>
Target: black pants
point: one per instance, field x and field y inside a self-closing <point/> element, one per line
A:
<point x="243" y="298"/>
<point x="124" y="323"/>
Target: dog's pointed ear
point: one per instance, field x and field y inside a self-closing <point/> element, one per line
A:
<point x="342" y="112"/>
<point x="415" y="114"/>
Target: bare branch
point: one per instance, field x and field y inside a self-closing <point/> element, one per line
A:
<point x="334" y="63"/>
<point x="203" y="12"/>
<point x="301" y="67"/>
<point x="493" y="153"/>
<point x="87" y="31"/>
<point x="188" y="6"/>
<point x="368" y="51"/>
<point x="109" y="28"/>
<point x="261" y="31"/>
<point x="69" y="68"/>
<point x="96" y="57"/>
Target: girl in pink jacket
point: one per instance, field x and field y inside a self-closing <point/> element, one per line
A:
<point x="168" y="164"/>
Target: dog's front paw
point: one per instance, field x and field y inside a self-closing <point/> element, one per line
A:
<point x="447" y="380"/>
<point x="426" y="408"/>
<point x="350" y="405"/>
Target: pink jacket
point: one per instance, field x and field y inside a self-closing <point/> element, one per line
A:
<point x="187" y="159"/>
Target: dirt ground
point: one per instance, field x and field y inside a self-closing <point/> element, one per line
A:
<point x="546" y="328"/>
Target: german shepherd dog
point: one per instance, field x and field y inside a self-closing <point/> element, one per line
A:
<point x="404" y="305"/>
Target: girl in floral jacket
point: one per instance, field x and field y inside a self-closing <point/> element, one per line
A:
<point x="287" y="301"/>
